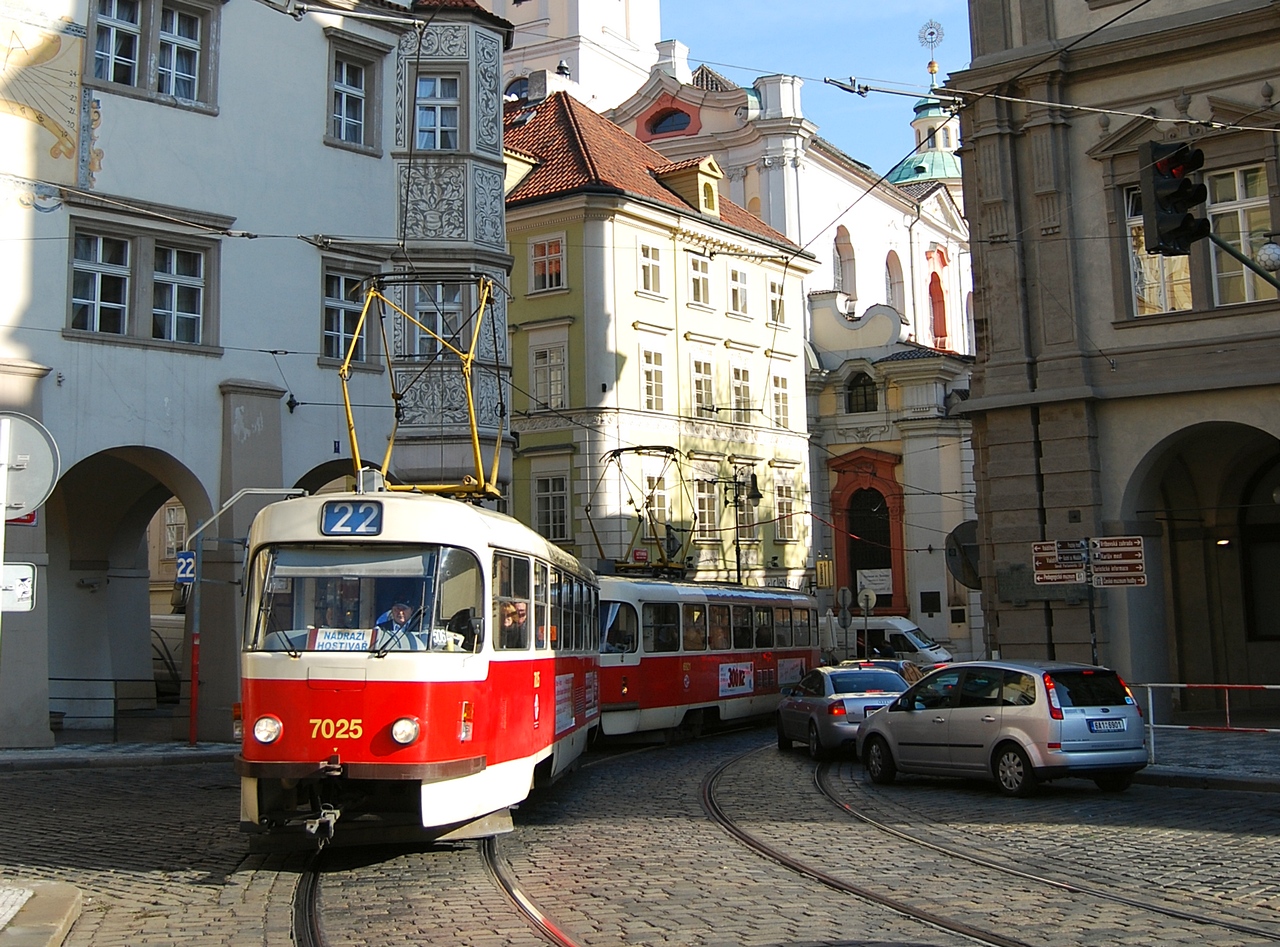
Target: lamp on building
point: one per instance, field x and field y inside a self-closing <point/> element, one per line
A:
<point x="736" y="490"/>
<point x="1268" y="254"/>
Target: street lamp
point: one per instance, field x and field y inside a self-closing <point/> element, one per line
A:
<point x="735" y="491"/>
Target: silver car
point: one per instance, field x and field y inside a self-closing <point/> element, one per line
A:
<point x="1017" y="722"/>
<point x="825" y="708"/>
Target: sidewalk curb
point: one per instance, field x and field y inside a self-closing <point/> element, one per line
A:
<point x="169" y="758"/>
<point x="1186" y="780"/>
<point x="46" y="917"/>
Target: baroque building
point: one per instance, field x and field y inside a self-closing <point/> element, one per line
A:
<point x="196" y="198"/>
<point x="1119" y="393"/>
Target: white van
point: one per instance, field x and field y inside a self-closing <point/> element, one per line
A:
<point x="890" y="637"/>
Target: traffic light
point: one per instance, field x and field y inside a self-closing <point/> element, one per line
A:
<point x="1168" y="196"/>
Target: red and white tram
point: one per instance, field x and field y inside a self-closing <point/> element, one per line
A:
<point x="409" y="662"/>
<point x="691" y="655"/>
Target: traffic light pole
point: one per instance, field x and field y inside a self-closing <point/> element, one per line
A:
<point x="1251" y="264"/>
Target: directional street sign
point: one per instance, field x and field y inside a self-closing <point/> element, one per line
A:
<point x="1105" y="581"/>
<point x="1059" y="563"/>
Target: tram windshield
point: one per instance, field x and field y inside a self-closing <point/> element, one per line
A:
<point x="345" y="598"/>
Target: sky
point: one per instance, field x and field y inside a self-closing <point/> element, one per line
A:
<point x="875" y="41"/>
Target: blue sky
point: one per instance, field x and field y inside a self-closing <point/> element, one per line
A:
<point x="878" y="43"/>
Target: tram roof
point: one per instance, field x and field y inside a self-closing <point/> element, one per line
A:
<point x="679" y="589"/>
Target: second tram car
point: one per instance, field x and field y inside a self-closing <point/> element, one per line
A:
<point x="409" y="662"/>
<point x="691" y="655"/>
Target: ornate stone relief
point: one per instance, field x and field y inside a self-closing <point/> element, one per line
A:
<point x="489" y="207"/>
<point x="488" y="100"/>
<point x="438" y="42"/>
<point x="436" y="201"/>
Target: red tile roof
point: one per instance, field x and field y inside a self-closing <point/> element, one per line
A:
<point x="579" y="150"/>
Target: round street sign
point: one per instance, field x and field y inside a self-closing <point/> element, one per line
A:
<point x="33" y="464"/>
<point x="867" y="599"/>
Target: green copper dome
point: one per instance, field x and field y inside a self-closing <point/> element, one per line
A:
<point x="932" y="165"/>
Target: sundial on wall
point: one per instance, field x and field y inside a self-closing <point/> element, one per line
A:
<point x="40" y="76"/>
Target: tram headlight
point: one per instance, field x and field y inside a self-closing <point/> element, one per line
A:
<point x="405" y="730"/>
<point x="267" y="729"/>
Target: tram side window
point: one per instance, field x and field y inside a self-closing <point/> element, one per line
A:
<point x="695" y="628"/>
<point x="579" y="615"/>
<point x="742" y="627"/>
<point x="764" y="626"/>
<point x="802" y="626"/>
<point x="510" y="602"/>
<point x="557" y="610"/>
<point x="618" y="619"/>
<point x="661" y="627"/>
<point x="572" y="612"/>
<point x="782" y="627"/>
<point x="541" y="604"/>
<point x="720" y="638"/>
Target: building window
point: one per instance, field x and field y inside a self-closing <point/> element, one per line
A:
<point x="343" y="303"/>
<point x="157" y="48"/>
<point x="708" y="197"/>
<point x="100" y="284"/>
<point x="546" y="264"/>
<point x="656" y="508"/>
<point x="784" y="505"/>
<point x="777" y="305"/>
<point x="348" y="101"/>
<point x="517" y="90"/>
<point x="668" y="122"/>
<point x="650" y="269"/>
<point x="178" y="294"/>
<point x="708" y="510"/>
<point x="748" y="525"/>
<point x="436" y="107"/>
<point x="438" y="306"/>
<point x="938" y="311"/>
<point x="114" y="274"/>
<point x="652" y="367"/>
<point x="550" y="502"/>
<point x="737" y="291"/>
<point x="704" y="399"/>
<point x="861" y="395"/>
<point x="549" y="377"/>
<point x="781" y="406"/>
<point x="1160" y="283"/>
<point x="1240" y="214"/>
<point x="700" y="280"/>
<point x="741" y="395"/>
<point x="893" y="286"/>
<point x="175" y="530"/>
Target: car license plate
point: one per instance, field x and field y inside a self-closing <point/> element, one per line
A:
<point x="870" y="709"/>
<point x="1103" y="726"/>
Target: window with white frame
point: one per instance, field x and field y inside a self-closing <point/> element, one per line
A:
<point x="784" y="506"/>
<point x="355" y="77"/>
<point x="748" y="525"/>
<point x="777" y="304"/>
<point x="550" y="507"/>
<point x="548" y="371"/>
<point x="704" y="398"/>
<point x="436" y="113"/>
<point x="781" y="406"/>
<point x="114" y="273"/>
<point x="155" y="48"/>
<point x="741" y="394"/>
<point x="1240" y="214"/>
<point x="651" y="366"/>
<point x="438" y="306"/>
<point x="704" y="495"/>
<point x="699" y="280"/>
<point x="1159" y="283"/>
<point x="651" y="269"/>
<point x="546" y="264"/>
<point x="656" y="507"/>
<point x="343" y="303"/>
<point x="737" y="291"/>
<point x="348" y="100"/>
<point x="175" y="530"/>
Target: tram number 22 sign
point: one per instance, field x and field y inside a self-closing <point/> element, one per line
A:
<point x="351" y="518"/>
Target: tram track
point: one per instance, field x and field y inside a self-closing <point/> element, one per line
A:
<point x="822" y="779"/>
<point x="970" y="903"/>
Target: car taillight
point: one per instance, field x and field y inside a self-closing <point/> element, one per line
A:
<point x="1129" y="695"/>
<point x="1055" y="708"/>
<point x="837" y="709"/>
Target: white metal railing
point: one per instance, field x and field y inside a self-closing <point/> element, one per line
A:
<point x="1226" y="726"/>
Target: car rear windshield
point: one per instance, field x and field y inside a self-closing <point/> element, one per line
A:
<point x="1088" y="688"/>
<point x="856" y="682"/>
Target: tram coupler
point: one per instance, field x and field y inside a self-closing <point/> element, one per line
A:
<point x="321" y="828"/>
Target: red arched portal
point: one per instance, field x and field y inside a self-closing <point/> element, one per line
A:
<point x="867" y="469"/>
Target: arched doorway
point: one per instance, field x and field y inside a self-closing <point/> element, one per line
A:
<point x="868" y="502"/>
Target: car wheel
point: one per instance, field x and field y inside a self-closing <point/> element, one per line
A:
<point x="816" y="750"/>
<point x="1013" y="771"/>
<point x="879" y="761"/>
<point x="1114" y="782"/>
<point x="784" y="742"/>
